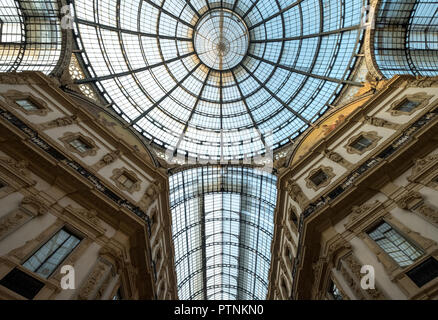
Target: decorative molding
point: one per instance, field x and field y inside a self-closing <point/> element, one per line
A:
<point x="34" y="206"/>
<point x="12" y="95"/>
<point x="370" y="135"/>
<point x="12" y="222"/>
<point x="59" y="122"/>
<point x="20" y="253"/>
<point x="421" y="97"/>
<point x="86" y="218"/>
<point x="29" y="208"/>
<point x="136" y="186"/>
<point x="328" y="171"/>
<point x="20" y="166"/>
<point x="422" y="82"/>
<point x="296" y="194"/>
<point x="354" y="279"/>
<point x="151" y="194"/>
<point x="410" y="201"/>
<point x="430" y="213"/>
<point x="107" y="159"/>
<point x="337" y="158"/>
<point x="92" y="283"/>
<point x="413" y="201"/>
<point x="423" y="166"/>
<point x="70" y="136"/>
<point x="362" y="216"/>
<point x="381" y="123"/>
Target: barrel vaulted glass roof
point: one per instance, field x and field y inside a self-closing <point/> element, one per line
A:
<point x="223" y="224"/>
<point x="219" y="79"/>
<point x="30" y="35"/>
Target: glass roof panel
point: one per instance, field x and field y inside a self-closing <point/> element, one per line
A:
<point x="189" y="74"/>
<point x="223" y="226"/>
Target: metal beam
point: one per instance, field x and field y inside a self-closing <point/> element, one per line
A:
<point x="131" y="32"/>
<point x="308" y="36"/>
<point x="127" y="73"/>
<point x="306" y="73"/>
<point x="168" y="93"/>
<point x="276" y="14"/>
<point x="277" y="98"/>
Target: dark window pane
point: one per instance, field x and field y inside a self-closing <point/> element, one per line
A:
<point x="22" y="283"/>
<point x="361" y="143"/>
<point x="407" y="106"/>
<point x="424" y="273"/>
<point x="52" y="253"/>
<point x="319" y="178"/>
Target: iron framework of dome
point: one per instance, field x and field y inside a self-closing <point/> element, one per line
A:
<point x="219" y="79"/>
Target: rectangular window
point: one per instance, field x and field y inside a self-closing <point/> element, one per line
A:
<point x="395" y="245"/>
<point x="80" y="145"/>
<point x="27" y="105"/>
<point x="424" y="273"/>
<point x="22" y="283"/>
<point x="407" y="106"/>
<point x="335" y="292"/>
<point x="45" y="261"/>
<point x="319" y="178"/>
<point x="361" y="143"/>
<point x="126" y="181"/>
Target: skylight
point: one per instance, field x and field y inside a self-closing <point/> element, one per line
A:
<point x="215" y="79"/>
<point x="223" y="224"/>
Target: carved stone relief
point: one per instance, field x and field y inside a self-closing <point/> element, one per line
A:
<point x="297" y="195"/>
<point x="107" y="160"/>
<point x="59" y="122"/>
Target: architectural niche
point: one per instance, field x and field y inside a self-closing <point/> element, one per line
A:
<point x="12" y="96"/>
<point x="68" y="137"/>
<point x="296" y="194"/>
<point x="372" y="136"/>
<point x="326" y="171"/>
<point x="422" y="98"/>
<point x="129" y="174"/>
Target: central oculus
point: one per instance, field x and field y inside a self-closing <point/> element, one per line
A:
<point x="221" y="39"/>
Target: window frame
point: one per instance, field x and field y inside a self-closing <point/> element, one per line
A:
<point x="422" y="98"/>
<point x="13" y="96"/>
<point x="53" y="274"/>
<point x="69" y="137"/>
<point x="328" y="171"/>
<point x="117" y="173"/>
<point x="370" y="135"/>
<point x="417" y="247"/>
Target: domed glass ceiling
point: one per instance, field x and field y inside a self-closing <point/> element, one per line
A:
<point x="219" y="79"/>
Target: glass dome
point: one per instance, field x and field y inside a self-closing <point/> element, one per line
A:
<point x="219" y="79"/>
